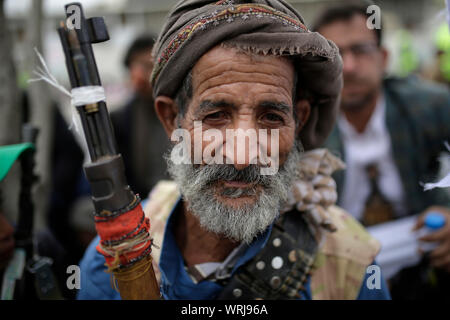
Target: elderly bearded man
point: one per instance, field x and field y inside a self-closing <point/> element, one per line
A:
<point x="233" y="232"/>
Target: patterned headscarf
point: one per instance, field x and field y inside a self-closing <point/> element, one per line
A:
<point x="269" y="27"/>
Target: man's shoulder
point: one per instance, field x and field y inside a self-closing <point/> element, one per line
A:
<point x="157" y="207"/>
<point x="414" y="85"/>
<point x="418" y="94"/>
<point x="417" y="115"/>
<point x="351" y="240"/>
<point x="161" y="200"/>
<point x="342" y="260"/>
<point x="95" y="281"/>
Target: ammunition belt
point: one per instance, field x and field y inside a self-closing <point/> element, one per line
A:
<point x="281" y="269"/>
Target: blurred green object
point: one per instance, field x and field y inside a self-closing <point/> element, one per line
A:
<point x="443" y="38"/>
<point x="442" y="42"/>
<point x="409" y="61"/>
<point x="9" y="154"/>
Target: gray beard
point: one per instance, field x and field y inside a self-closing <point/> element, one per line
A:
<point x="241" y="224"/>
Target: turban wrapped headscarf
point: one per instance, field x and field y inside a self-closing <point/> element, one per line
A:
<point x="269" y="27"/>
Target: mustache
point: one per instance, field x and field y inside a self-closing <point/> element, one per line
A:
<point x="227" y="172"/>
<point x="238" y="192"/>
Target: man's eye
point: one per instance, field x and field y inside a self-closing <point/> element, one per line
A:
<point x="216" y="116"/>
<point x="272" y="117"/>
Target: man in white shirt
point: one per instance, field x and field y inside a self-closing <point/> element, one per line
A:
<point x="372" y="146"/>
<point x="397" y="126"/>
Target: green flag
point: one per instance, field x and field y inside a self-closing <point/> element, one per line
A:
<point x="9" y="154"/>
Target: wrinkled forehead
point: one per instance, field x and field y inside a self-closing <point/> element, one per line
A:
<point x="227" y="65"/>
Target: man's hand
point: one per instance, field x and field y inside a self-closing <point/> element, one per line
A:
<point x="6" y="241"/>
<point x="440" y="256"/>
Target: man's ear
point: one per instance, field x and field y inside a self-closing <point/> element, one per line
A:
<point x="303" y="110"/>
<point x="167" y="112"/>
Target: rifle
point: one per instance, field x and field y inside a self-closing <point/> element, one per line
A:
<point x="112" y="196"/>
<point x="28" y="275"/>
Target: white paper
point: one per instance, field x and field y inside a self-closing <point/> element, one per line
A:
<point x="399" y="245"/>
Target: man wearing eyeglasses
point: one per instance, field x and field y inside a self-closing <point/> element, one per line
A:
<point x="390" y="132"/>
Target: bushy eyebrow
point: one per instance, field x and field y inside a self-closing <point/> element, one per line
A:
<point x="279" y="106"/>
<point x="208" y="105"/>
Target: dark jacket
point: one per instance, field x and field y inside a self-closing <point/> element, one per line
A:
<point x="418" y="121"/>
<point x="142" y="142"/>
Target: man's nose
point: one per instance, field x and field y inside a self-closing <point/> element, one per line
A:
<point x="349" y="61"/>
<point x="245" y="144"/>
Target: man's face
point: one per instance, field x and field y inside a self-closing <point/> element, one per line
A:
<point x="237" y="91"/>
<point x="364" y="61"/>
<point x="233" y="90"/>
<point x="141" y="67"/>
